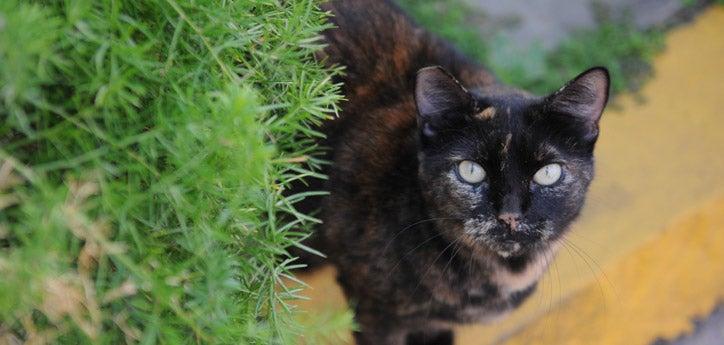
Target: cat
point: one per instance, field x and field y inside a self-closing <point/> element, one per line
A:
<point x="449" y="192"/>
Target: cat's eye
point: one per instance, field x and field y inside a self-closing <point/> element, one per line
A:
<point x="548" y="174"/>
<point x="471" y="172"/>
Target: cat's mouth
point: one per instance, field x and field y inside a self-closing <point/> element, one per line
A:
<point x="499" y="238"/>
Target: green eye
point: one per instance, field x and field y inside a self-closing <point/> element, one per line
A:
<point x="471" y="172"/>
<point x="548" y="174"/>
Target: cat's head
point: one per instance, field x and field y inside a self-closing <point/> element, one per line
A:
<point x="511" y="168"/>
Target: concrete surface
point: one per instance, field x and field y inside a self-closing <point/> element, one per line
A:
<point x="647" y="256"/>
<point x="709" y="331"/>
<point x="546" y="23"/>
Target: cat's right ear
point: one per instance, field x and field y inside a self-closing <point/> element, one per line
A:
<point x="581" y="101"/>
<point x="442" y="103"/>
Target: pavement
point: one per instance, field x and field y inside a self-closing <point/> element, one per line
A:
<point x="647" y="255"/>
<point x="708" y="331"/>
<point x="546" y="23"/>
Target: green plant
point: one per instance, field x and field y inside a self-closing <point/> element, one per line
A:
<point x="452" y="20"/>
<point x="144" y="150"/>
<point x="624" y="50"/>
<point x="618" y="45"/>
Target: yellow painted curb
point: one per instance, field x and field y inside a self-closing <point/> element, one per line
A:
<point x="655" y="292"/>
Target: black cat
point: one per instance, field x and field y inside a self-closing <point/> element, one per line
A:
<point x="449" y="192"/>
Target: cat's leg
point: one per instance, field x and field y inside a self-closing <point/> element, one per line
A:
<point x="378" y="329"/>
<point x="431" y="337"/>
<point x="367" y="336"/>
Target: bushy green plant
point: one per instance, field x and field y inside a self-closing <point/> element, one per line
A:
<point x="145" y="148"/>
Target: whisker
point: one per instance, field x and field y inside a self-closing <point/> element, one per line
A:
<point x="560" y="289"/>
<point x="550" y="292"/>
<point x="582" y="237"/>
<point x="398" y="233"/>
<point x="590" y="268"/>
<point x="427" y="271"/>
<point x="457" y="248"/>
<point x="595" y="262"/>
<point x="399" y="261"/>
<point x="598" y="266"/>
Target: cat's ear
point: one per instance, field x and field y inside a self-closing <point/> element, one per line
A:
<point x="583" y="99"/>
<point x="442" y="103"/>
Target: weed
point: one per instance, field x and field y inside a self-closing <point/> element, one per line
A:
<point x="144" y="150"/>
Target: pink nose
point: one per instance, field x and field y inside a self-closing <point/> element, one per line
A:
<point x="511" y="219"/>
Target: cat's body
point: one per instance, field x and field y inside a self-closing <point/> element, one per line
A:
<point x="418" y="249"/>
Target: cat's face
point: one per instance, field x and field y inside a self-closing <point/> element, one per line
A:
<point x="511" y="168"/>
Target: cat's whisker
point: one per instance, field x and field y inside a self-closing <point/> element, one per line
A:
<point x="558" y="276"/>
<point x="397" y="263"/>
<point x="399" y="232"/>
<point x="457" y="248"/>
<point x="598" y="266"/>
<point x="427" y="271"/>
<point x="583" y="237"/>
<point x="578" y="252"/>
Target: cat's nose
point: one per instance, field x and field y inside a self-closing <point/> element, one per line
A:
<point x="511" y="219"/>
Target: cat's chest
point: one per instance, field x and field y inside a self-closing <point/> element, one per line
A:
<point x="484" y="303"/>
<point x="511" y="280"/>
<point x="490" y="296"/>
<point x="490" y="303"/>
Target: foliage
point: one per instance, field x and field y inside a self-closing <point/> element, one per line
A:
<point x="453" y="20"/>
<point x="144" y="150"/>
<point x="616" y="44"/>
<point x="624" y="50"/>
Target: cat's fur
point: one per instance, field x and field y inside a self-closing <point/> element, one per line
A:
<point x="416" y="248"/>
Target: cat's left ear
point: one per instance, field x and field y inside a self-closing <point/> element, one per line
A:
<point x="583" y="99"/>
<point x="442" y="103"/>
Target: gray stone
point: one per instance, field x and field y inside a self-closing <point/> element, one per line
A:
<point x="708" y="331"/>
<point x="546" y="23"/>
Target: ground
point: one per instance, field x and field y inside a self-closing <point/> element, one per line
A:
<point x="548" y="22"/>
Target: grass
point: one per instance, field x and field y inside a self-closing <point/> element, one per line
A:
<point x="616" y="44"/>
<point x="452" y="20"/>
<point x="144" y="150"/>
<point x="624" y="50"/>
